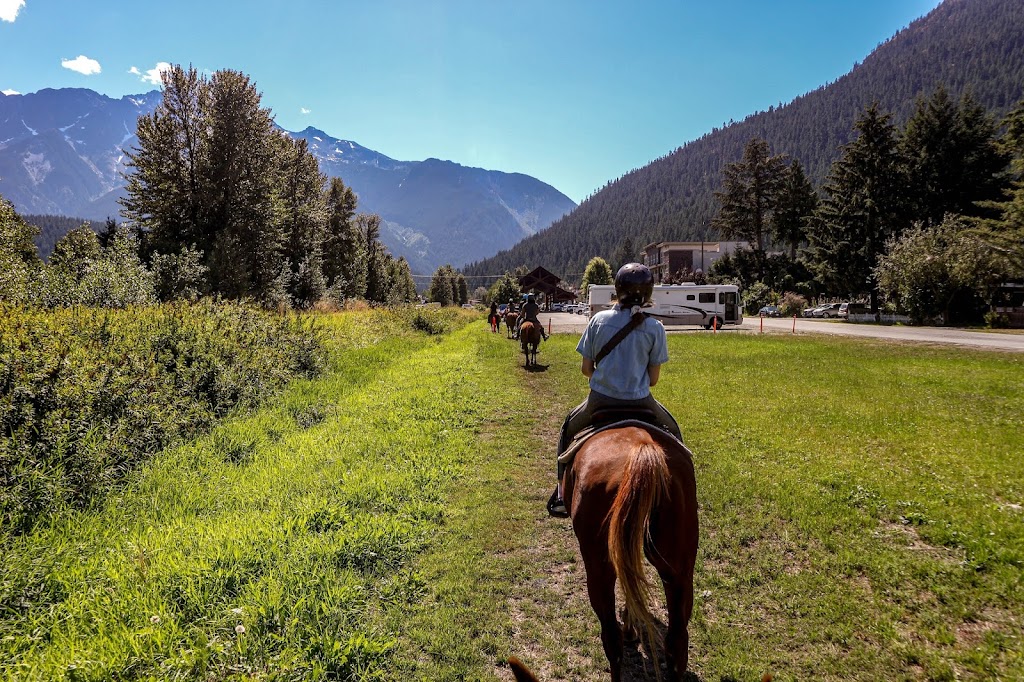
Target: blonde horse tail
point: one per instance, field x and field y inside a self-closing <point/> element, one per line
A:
<point x="644" y="482"/>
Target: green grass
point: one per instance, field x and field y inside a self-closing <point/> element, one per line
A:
<point x="860" y="509"/>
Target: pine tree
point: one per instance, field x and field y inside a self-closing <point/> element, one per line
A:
<point x="305" y="220"/>
<point x="865" y="204"/>
<point x="749" y="193"/>
<point x="1004" y="234"/>
<point x="441" y="290"/>
<point x="344" y="255"/>
<point x="794" y="210"/>
<point x="952" y="157"/>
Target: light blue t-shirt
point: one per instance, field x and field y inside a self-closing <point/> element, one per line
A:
<point x="623" y="372"/>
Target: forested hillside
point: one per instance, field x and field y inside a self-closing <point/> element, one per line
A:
<point x="974" y="46"/>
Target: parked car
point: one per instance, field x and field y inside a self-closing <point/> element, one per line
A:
<point x="828" y="310"/>
<point x="847" y="309"/>
<point x="769" y="311"/>
<point x="809" y="312"/>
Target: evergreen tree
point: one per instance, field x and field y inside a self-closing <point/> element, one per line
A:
<point x="864" y="206"/>
<point x="305" y="220"/>
<point x="952" y="157"/>
<point x="165" y="192"/>
<point x="403" y="287"/>
<point x="795" y="208"/>
<point x="749" y="193"/>
<point x="441" y="286"/>
<point x="344" y="254"/>
<point x="1004" y="234"/>
<point x="626" y="253"/>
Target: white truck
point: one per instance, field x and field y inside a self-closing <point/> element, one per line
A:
<point x="681" y="304"/>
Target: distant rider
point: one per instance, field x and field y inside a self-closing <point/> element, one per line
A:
<point x="623" y="379"/>
<point x="529" y="314"/>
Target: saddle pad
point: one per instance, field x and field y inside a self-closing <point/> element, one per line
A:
<point x="586" y="434"/>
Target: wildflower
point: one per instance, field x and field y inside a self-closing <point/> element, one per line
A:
<point x="239" y="628"/>
<point x="154" y="619"/>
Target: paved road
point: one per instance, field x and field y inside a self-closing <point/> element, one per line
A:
<point x="569" y="323"/>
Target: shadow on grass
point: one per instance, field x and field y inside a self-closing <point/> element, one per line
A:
<point x="537" y="368"/>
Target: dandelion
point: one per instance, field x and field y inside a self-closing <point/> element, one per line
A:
<point x="239" y="628"/>
<point x="154" y="619"/>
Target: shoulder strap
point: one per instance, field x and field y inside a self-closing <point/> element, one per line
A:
<point x="635" y="321"/>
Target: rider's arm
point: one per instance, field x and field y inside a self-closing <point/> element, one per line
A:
<point x="654" y="373"/>
<point x="588" y="367"/>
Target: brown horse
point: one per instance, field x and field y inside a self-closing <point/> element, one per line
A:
<point x="510" y="324"/>
<point x="631" y="492"/>
<point x="529" y="339"/>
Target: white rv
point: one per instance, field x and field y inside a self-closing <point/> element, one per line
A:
<point x="681" y="304"/>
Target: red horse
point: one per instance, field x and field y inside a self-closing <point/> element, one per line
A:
<point x="631" y="492"/>
<point x="529" y="340"/>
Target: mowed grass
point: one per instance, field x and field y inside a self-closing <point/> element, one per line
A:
<point x="860" y="509"/>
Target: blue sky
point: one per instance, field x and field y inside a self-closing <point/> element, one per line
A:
<point x="573" y="92"/>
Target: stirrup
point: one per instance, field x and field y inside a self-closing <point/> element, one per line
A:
<point x="556" y="507"/>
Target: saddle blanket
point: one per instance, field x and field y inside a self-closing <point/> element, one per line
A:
<point x="583" y="436"/>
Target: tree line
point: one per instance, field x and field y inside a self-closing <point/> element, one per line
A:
<point x="926" y="218"/>
<point x="219" y="202"/>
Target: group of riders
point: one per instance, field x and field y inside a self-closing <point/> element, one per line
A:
<point x="622" y="352"/>
<point x="528" y="313"/>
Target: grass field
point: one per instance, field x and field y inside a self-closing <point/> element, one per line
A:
<point x="861" y="511"/>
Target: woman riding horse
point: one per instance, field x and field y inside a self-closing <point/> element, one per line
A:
<point x="630" y="488"/>
<point x="621" y="381"/>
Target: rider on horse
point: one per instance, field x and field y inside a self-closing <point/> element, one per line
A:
<point x="624" y="378"/>
<point x="529" y="314"/>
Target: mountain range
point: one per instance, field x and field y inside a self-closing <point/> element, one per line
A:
<point x="968" y="46"/>
<point x="62" y="152"/>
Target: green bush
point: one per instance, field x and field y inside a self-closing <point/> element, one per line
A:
<point x="86" y="394"/>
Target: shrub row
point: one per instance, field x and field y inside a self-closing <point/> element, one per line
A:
<point x="87" y="394"/>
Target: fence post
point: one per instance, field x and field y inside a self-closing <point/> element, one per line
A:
<point x="762" y="323"/>
<point x="794" y="324"/>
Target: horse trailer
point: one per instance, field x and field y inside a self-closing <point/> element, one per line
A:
<point x="681" y="304"/>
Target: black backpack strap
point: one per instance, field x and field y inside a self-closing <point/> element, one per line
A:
<point x="635" y="321"/>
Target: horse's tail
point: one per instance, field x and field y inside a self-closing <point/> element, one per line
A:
<point x="520" y="671"/>
<point x="644" y="482"/>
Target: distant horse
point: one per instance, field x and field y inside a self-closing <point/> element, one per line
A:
<point x="510" y="324"/>
<point x="529" y="339"/>
<point x="631" y="492"/>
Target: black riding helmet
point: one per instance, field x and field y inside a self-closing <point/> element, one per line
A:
<point x="634" y="285"/>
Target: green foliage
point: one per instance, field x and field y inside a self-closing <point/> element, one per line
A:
<point x="448" y="287"/>
<point x="795" y="207"/>
<point x="953" y="160"/>
<point x="792" y="304"/>
<point x="180" y="276"/>
<point x="598" y="271"/>
<point x="865" y="204"/>
<point x="19" y="263"/>
<point x="943" y="272"/>
<point x="750" y="191"/>
<point x="756" y="296"/>
<point x="86" y="394"/>
<point x="505" y="289"/>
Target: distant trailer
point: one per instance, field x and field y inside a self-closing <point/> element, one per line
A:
<point x="681" y="304"/>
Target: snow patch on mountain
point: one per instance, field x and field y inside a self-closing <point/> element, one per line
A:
<point x="37" y="166"/>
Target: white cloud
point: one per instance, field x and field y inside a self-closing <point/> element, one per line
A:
<point x="303" y="110"/>
<point x="9" y="9"/>
<point x="153" y="75"/>
<point x="82" y="65"/>
<point x="10" y="92"/>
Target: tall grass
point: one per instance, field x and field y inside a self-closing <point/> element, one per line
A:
<point x="87" y="394"/>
